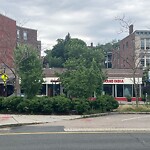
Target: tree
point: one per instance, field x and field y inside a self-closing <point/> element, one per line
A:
<point x="108" y="47"/>
<point x="83" y="76"/>
<point x="52" y="61"/>
<point x="74" y="48"/>
<point x="29" y="69"/>
<point x="63" y="50"/>
<point x="134" y="59"/>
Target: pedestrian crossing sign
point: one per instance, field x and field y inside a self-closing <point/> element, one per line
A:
<point x="4" y="77"/>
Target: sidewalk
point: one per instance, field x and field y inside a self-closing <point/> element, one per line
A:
<point x="12" y="120"/>
<point x="106" y="122"/>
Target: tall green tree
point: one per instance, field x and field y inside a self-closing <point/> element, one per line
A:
<point x="52" y="61"/>
<point x="29" y="69"/>
<point x="84" y="75"/>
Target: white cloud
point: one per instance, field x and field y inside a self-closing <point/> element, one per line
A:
<point x="89" y="20"/>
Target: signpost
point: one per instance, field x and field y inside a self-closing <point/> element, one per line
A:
<point x="4" y="77"/>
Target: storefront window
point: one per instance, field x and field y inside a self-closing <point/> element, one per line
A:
<point x="43" y="90"/>
<point x="119" y="90"/>
<point x="127" y="90"/>
<point x="107" y="89"/>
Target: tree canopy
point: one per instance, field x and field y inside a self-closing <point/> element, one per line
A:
<point x="29" y="69"/>
<point x="83" y="76"/>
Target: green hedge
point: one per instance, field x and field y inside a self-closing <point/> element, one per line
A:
<point x="57" y="105"/>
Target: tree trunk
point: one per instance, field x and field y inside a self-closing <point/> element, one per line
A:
<point x="17" y="87"/>
<point x="135" y="90"/>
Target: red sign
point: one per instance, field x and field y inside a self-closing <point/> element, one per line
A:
<point x="114" y="81"/>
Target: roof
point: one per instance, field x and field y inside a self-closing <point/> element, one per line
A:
<point x="128" y="73"/>
<point x="51" y="72"/>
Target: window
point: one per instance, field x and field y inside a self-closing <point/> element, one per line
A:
<point x="142" y="62"/>
<point x="127" y="90"/>
<point x="126" y="44"/>
<point x="119" y="90"/>
<point x="147" y="43"/>
<point x="25" y="35"/>
<point x="142" y="43"/>
<point x="18" y="34"/>
<point x="107" y="89"/>
<point x="123" y="46"/>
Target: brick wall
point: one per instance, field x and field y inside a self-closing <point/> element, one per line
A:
<point x="7" y="40"/>
<point x="30" y="39"/>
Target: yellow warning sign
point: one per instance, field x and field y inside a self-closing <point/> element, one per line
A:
<point x="4" y="77"/>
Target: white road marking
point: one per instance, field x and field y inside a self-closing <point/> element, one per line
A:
<point x="107" y="129"/>
<point x="134" y="118"/>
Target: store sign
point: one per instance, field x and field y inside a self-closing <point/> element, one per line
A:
<point x="114" y="81"/>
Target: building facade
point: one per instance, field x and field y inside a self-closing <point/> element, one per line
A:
<point x="10" y="36"/>
<point x="7" y="40"/>
<point x="119" y="83"/>
<point x="29" y="37"/>
<point x="134" y="50"/>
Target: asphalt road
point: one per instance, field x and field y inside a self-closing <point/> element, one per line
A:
<point x="54" y="138"/>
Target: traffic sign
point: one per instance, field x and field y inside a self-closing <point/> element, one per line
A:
<point x="4" y="77"/>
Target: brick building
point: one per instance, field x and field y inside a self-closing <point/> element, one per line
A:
<point x="29" y="37"/>
<point x="11" y="35"/>
<point x="7" y="40"/>
<point x="134" y="50"/>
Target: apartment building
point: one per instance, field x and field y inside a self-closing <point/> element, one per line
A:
<point x="7" y="40"/>
<point x="11" y="35"/>
<point x="29" y="37"/>
<point x="134" y="50"/>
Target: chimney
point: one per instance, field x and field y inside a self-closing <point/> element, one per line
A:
<point x="92" y="44"/>
<point x="130" y="28"/>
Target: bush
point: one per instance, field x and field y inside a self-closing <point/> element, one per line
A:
<point x="61" y="104"/>
<point x="107" y="103"/>
<point x="81" y="105"/>
<point x="57" y="105"/>
<point x="45" y="105"/>
<point x="23" y="107"/>
<point x="37" y="105"/>
<point x="1" y="99"/>
<point x="10" y="104"/>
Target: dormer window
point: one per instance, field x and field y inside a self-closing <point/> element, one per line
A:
<point x="25" y="35"/>
<point x="18" y="34"/>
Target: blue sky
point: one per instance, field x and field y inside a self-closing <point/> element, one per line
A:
<point x="89" y="20"/>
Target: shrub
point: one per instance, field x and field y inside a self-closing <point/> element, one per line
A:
<point x="45" y="105"/>
<point x="133" y="108"/>
<point x="81" y="105"/>
<point x="37" y="105"/>
<point x="61" y="104"/>
<point x="23" y="107"/>
<point x="1" y="99"/>
<point x="107" y="103"/>
<point x="10" y="104"/>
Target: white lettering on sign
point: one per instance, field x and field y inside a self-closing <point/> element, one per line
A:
<point x="114" y="81"/>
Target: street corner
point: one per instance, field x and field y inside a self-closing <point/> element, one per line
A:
<point x="6" y="119"/>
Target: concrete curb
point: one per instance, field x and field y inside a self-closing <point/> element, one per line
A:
<point x="83" y="116"/>
<point x="20" y="124"/>
<point x="112" y="113"/>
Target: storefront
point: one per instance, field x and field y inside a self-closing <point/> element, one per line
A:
<point x="120" y="84"/>
<point x="51" y="87"/>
